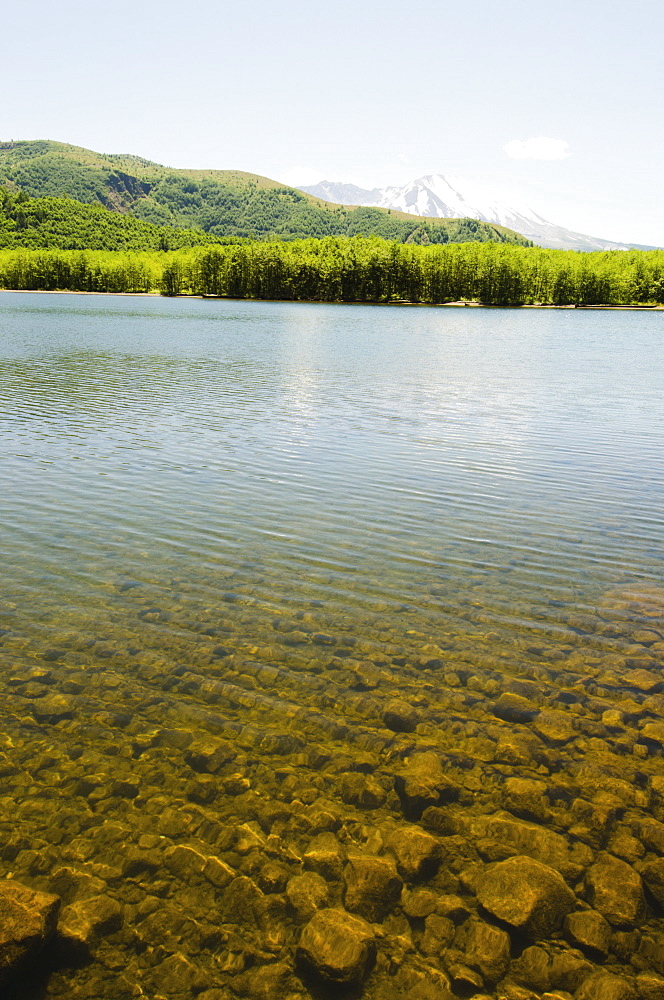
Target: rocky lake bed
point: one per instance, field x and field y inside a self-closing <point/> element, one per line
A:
<point x="326" y="816"/>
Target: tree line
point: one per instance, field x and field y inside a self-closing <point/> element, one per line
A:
<point x="353" y="269"/>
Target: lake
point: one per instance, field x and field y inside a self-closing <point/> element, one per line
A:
<point x="286" y="587"/>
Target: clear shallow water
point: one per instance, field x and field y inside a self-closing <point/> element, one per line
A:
<point x="263" y="521"/>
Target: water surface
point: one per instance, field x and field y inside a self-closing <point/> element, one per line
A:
<point x="252" y="526"/>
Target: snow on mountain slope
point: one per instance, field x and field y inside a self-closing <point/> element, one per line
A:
<point x="450" y="197"/>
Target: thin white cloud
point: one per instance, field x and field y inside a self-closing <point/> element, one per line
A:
<point x="540" y="148"/>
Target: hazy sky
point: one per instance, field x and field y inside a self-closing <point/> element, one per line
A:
<point x="375" y="93"/>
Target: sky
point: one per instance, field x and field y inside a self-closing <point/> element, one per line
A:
<point x="367" y="92"/>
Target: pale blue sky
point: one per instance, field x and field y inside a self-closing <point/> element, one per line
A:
<point x="373" y="92"/>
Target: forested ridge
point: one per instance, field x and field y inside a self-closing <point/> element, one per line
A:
<point x="65" y="224"/>
<point x="224" y="204"/>
<point x="355" y="269"/>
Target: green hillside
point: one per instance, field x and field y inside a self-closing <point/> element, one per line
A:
<point x="222" y="203"/>
<point x="65" y="224"/>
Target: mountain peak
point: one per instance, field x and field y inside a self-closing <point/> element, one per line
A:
<point x="446" y="196"/>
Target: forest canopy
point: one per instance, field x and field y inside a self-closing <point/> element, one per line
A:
<point x="353" y="269"/>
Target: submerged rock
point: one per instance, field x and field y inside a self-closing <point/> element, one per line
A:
<point x="486" y="948"/>
<point x="276" y="798"/>
<point x="520" y="749"/>
<point x="243" y="902"/>
<point x="27" y="921"/>
<point x="422" y="982"/>
<point x="218" y="872"/>
<point x="307" y="893"/>
<point x="337" y="947"/>
<point x="601" y="985"/>
<point x="651" y="832"/>
<point x="587" y="929"/>
<point x="653" y="876"/>
<point x="372" y="886"/>
<point x="400" y="717"/>
<point x="526" y="798"/>
<point x="532" y="968"/>
<point x="616" y="890"/>
<point x="53" y="707"/>
<point x="568" y="970"/>
<point x="361" y="790"/>
<point x="71" y="884"/>
<point x="514" y="708"/>
<point x="83" y="923"/>
<point x="178" y="977"/>
<point x="418" y="854"/>
<point x="423" y="784"/>
<point x="184" y="862"/>
<point x="527" y="895"/>
<point x="650" y="986"/>
<point x="268" y="982"/>
<point x="554" y="727"/>
<point x="438" y="934"/>
<point x="533" y="840"/>
<point x="326" y="856"/>
<point x="464" y="979"/>
<point x="419" y="903"/>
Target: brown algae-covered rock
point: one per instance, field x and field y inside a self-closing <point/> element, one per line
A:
<point x="418" y="854"/>
<point x="601" y="985"/>
<point x="526" y="894"/>
<point x="653" y="876"/>
<point x="82" y="923"/>
<point x="534" y="840"/>
<point x="616" y="890"/>
<point x="400" y="717"/>
<point x="361" y="790"/>
<point x="486" y="948"/>
<point x="650" y="986"/>
<point x="532" y="968"/>
<point x="587" y="929"/>
<point x="512" y="707"/>
<point x="337" y="946"/>
<point x="418" y="903"/>
<point x="307" y="893"/>
<point x="554" y="727"/>
<point x="27" y="921"/>
<point x="423" y="783"/>
<point x="326" y="856"/>
<point x="373" y="886"/>
<point x="417" y="980"/>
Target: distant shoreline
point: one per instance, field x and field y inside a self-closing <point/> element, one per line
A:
<point x="339" y="302"/>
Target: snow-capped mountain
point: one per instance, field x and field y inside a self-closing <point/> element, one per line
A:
<point x="449" y="197"/>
